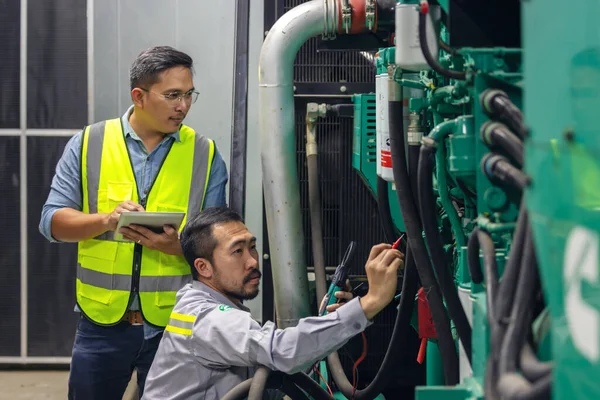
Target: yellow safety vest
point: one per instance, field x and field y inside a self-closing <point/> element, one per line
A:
<point x="109" y="272"/>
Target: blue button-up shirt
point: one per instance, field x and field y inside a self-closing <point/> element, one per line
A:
<point x="65" y="190"/>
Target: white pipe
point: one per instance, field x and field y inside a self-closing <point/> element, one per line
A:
<point x="278" y="152"/>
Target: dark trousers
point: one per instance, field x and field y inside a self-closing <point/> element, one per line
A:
<point x="104" y="358"/>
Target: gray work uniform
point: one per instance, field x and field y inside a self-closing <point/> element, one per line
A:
<point x="211" y="345"/>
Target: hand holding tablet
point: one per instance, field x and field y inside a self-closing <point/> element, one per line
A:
<point x="154" y="221"/>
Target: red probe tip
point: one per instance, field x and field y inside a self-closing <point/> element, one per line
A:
<point x="424" y="7"/>
<point x="396" y="243"/>
<point x="422" y="347"/>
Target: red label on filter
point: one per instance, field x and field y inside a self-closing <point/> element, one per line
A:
<point x="386" y="159"/>
<point x="426" y="327"/>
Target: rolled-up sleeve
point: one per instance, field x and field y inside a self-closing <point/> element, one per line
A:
<point x="232" y="338"/>
<point x="65" y="190"/>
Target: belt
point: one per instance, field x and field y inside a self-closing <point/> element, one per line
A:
<point x="133" y="317"/>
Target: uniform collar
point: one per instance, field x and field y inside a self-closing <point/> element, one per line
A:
<point x="128" y="130"/>
<point x="220" y="297"/>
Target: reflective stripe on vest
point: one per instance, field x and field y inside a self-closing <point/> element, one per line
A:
<point x="104" y="271"/>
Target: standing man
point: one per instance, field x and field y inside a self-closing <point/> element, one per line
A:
<point x="212" y="343"/>
<point x="147" y="160"/>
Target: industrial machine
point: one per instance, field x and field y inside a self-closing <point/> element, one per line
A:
<point x="478" y="144"/>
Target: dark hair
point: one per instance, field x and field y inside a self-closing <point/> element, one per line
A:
<point x="197" y="240"/>
<point x="150" y="63"/>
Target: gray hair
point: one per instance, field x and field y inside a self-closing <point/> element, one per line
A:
<point x="150" y="63"/>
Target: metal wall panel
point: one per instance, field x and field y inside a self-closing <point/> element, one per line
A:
<point x="10" y="257"/>
<point x="10" y="26"/>
<point x="56" y="64"/>
<point x="51" y="266"/>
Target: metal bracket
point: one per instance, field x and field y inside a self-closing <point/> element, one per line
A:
<point x="346" y="15"/>
<point x="370" y="14"/>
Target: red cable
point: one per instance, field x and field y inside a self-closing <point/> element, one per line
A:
<point x="422" y="348"/>
<point x="360" y="359"/>
<point x="323" y="379"/>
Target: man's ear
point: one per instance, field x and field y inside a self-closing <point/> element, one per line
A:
<point x="204" y="268"/>
<point x="137" y="96"/>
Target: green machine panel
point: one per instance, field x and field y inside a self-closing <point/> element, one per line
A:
<point x="364" y="151"/>
<point x="562" y="109"/>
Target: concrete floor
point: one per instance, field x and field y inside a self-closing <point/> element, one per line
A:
<point x="43" y="385"/>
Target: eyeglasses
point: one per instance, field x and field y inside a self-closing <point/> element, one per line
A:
<point x="174" y="97"/>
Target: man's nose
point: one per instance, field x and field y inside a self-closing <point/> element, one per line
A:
<point x="251" y="262"/>
<point x="182" y="106"/>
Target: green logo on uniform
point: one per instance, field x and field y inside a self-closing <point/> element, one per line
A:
<point x="223" y="307"/>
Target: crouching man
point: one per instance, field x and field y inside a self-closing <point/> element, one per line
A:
<point x="212" y="343"/>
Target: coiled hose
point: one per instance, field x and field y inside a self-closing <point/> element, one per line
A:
<point x="402" y="325"/>
<point x="399" y="334"/>
<point x="504" y="299"/>
<point x="413" y="226"/>
<point x="435" y="245"/>
<point x="512" y="385"/>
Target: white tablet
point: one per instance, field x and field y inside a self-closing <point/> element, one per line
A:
<point x="151" y="220"/>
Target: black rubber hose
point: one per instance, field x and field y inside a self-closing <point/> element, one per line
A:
<point x="522" y="311"/>
<point x="414" y="152"/>
<point x="312" y="388"/>
<point x="532" y="368"/>
<point x="491" y="273"/>
<point x="498" y="168"/>
<point x="510" y="383"/>
<point x="446" y="47"/>
<point x="483" y="240"/>
<point x="473" y="257"/>
<point x="496" y="104"/>
<point x="498" y="135"/>
<point x="259" y="383"/>
<point x="383" y="206"/>
<point x="510" y="277"/>
<point x="314" y="203"/>
<point x="431" y="61"/>
<point x="412" y="223"/>
<point x="504" y="300"/>
<point x="436" y="248"/>
<point x="402" y="326"/>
